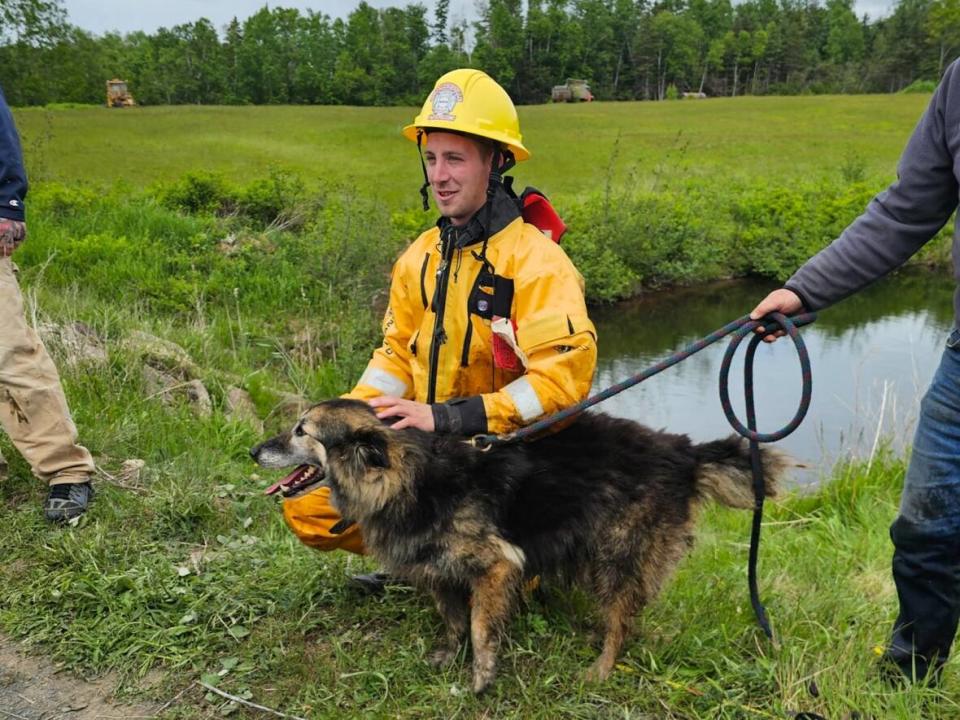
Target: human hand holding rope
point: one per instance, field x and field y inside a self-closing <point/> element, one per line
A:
<point x="781" y="301"/>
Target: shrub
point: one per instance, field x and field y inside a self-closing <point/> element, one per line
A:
<point x="606" y="276"/>
<point x="274" y="200"/>
<point x="920" y="86"/>
<point x="198" y="192"/>
<point x="61" y="201"/>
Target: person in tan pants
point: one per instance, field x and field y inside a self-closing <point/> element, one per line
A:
<point x="33" y="409"/>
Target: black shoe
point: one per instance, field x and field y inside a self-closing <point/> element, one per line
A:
<point x="374" y="583"/>
<point x="900" y="672"/>
<point x="67" y="501"/>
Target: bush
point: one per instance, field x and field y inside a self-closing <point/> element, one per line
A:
<point x="63" y="201"/>
<point x="198" y="192"/>
<point x="606" y="276"/>
<point x="920" y="86"/>
<point x="645" y="240"/>
<point x="275" y="200"/>
<point x="689" y="232"/>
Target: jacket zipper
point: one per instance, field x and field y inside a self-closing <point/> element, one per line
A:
<point x="423" y="275"/>
<point x="468" y="336"/>
<point x="440" y="303"/>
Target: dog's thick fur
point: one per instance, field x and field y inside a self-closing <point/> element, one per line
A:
<point x="605" y="502"/>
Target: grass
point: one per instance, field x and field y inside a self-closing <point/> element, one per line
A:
<point x="275" y="286"/>
<point x="574" y="146"/>
<point x="196" y="574"/>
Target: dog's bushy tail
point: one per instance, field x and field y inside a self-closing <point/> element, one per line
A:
<point x="724" y="473"/>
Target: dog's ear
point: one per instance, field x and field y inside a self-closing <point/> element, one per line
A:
<point x="370" y="450"/>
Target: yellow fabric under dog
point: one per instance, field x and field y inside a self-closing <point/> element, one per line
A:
<point x="311" y="517"/>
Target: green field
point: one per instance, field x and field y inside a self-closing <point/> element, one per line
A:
<point x="573" y="146"/>
<point x="259" y="240"/>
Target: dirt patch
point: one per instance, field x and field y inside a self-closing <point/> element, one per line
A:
<point x="32" y="688"/>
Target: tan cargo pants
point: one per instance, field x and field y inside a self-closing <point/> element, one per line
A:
<point x="33" y="409"/>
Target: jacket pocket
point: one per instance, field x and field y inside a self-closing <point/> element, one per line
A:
<point x="551" y="330"/>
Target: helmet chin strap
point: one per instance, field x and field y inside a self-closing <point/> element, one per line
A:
<point x="502" y="162"/>
<point x="424" y="193"/>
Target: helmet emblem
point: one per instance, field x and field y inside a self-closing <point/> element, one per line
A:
<point x="444" y="99"/>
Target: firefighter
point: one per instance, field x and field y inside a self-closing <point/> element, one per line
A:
<point x="487" y="328"/>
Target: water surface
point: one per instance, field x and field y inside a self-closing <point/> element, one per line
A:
<point x="872" y="356"/>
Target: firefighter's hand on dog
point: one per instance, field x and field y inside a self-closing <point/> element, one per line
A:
<point x="410" y="413"/>
<point x="12" y="233"/>
<point x="782" y="301"/>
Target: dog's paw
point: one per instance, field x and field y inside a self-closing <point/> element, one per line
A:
<point x="481" y="682"/>
<point x="484" y="671"/>
<point x="442" y="656"/>
<point x="598" y="672"/>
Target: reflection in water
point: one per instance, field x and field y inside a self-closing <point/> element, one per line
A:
<point x="872" y="357"/>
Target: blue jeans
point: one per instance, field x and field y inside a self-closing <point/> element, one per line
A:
<point x="926" y="533"/>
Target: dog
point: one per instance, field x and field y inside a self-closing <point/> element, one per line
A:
<point x="605" y="503"/>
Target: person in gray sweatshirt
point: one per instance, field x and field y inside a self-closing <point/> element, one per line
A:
<point x="895" y="225"/>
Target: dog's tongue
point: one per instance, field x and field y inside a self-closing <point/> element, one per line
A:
<point x="288" y="480"/>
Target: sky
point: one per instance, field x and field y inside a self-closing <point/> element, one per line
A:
<point x="100" y="16"/>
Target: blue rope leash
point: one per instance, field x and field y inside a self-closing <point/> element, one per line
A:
<point x="740" y="328"/>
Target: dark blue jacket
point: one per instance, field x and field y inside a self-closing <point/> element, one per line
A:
<point x="13" y="177"/>
<point x="898" y="221"/>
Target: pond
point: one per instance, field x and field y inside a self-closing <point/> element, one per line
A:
<point x="872" y="356"/>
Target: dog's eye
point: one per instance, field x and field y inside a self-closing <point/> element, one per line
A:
<point x="298" y="431"/>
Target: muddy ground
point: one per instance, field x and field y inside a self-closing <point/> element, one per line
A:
<point x="32" y="688"/>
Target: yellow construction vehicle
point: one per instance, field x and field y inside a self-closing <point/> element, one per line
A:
<point x="118" y="96"/>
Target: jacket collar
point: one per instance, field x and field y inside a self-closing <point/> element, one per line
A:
<point x="503" y="210"/>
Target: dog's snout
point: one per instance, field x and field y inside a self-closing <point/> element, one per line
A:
<point x="255" y="451"/>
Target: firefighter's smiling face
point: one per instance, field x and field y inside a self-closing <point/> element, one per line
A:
<point x="458" y="170"/>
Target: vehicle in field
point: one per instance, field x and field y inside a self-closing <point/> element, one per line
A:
<point x="118" y="96"/>
<point x="573" y="90"/>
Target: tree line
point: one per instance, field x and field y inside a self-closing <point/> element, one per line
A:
<point x="625" y="49"/>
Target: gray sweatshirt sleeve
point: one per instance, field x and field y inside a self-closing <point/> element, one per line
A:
<point x="898" y="221"/>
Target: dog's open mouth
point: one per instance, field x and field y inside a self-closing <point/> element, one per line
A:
<point x="297" y="480"/>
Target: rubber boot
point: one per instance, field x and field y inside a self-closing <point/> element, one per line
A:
<point x="926" y="571"/>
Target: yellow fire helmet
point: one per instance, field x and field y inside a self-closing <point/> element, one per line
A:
<point x="470" y="101"/>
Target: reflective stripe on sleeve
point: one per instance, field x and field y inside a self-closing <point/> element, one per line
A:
<point x="525" y="398"/>
<point x="383" y="381"/>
